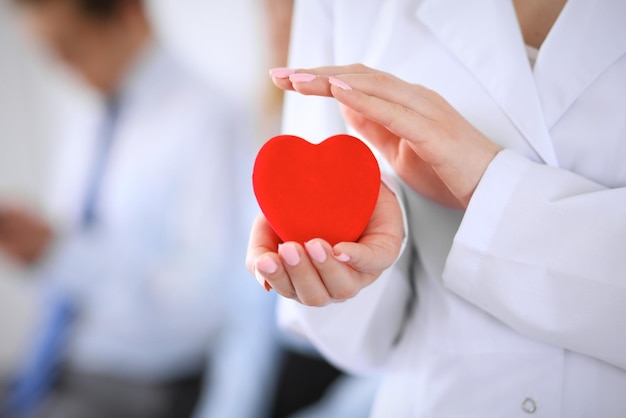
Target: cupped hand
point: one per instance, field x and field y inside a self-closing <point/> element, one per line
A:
<point x="316" y="273"/>
<point x="428" y="143"/>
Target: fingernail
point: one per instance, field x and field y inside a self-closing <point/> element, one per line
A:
<point x="343" y="257"/>
<point x="302" y="77"/>
<point x="281" y="72"/>
<point x="341" y="84"/>
<point x="316" y="251"/>
<point x="259" y="278"/>
<point x="267" y="265"/>
<point x="289" y="253"/>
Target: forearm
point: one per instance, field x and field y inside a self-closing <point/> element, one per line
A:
<point x="542" y="249"/>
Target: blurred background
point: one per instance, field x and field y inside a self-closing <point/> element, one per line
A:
<point x="36" y="97"/>
<point x="128" y="130"/>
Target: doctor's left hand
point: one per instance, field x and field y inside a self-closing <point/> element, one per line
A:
<point x="317" y="274"/>
<point x="428" y="143"/>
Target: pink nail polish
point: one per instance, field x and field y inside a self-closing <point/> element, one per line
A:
<point x="343" y="257"/>
<point x="281" y="72"/>
<point x="302" y="77"/>
<point x="316" y="251"/>
<point x="267" y="265"/>
<point x="338" y="83"/>
<point x="289" y="253"/>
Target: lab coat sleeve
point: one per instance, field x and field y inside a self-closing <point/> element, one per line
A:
<point x="543" y="250"/>
<point x="356" y="335"/>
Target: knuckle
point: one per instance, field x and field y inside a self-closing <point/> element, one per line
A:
<point x="424" y="91"/>
<point x="345" y="293"/>
<point x="314" y="300"/>
<point x="380" y="255"/>
<point x="382" y="78"/>
<point x="421" y="89"/>
<point x="357" y="67"/>
<point x="288" y="293"/>
<point x="433" y="95"/>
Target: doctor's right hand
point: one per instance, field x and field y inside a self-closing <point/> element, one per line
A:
<point x="430" y="145"/>
<point x="317" y="274"/>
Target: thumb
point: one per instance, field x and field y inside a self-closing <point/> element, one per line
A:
<point x="379" y="246"/>
<point x="372" y="255"/>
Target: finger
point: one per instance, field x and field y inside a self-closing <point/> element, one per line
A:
<point x="371" y="255"/>
<point x="311" y="84"/>
<point x="271" y="274"/>
<point x="340" y="280"/>
<point x="289" y="79"/>
<point x="283" y="83"/>
<point x="316" y="82"/>
<point x="398" y="119"/>
<point x="284" y="73"/>
<point x="380" y="137"/>
<point x="407" y="110"/>
<point x="262" y="240"/>
<point x="365" y="79"/>
<point x="306" y="280"/>
<point x="392" y="89"/>
<point x="261" y="257"/>
<point x="334" y="70"/>
<point x="305" y="83"/>
<point x="379" y="246"/>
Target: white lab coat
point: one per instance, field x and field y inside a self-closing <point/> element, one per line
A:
<point x="160" y="281"/>
<point x="518" y="305"/>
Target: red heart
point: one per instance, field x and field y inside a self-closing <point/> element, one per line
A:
<point x="306" y="191"/>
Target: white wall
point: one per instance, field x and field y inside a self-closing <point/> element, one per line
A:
<point x="223" y="39"/>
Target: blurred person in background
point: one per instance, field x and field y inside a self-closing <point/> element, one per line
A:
<point x="149" y="201"/>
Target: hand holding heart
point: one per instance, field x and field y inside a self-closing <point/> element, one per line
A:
<point x="317" y="273"/>
<point x="429" y="144"/>
<point x="316" y="201"/>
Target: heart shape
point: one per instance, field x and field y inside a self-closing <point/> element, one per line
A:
<point x="327" y="190"/>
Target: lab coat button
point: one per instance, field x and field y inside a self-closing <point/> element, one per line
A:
<point x="529" y="406"/>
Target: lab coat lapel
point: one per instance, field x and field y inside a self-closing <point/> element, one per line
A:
<point x="485" y="37"/>
<point x="594" y="30"/>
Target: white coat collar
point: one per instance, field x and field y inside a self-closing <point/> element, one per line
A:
<point x="484" y="35"/>
<point x="588" y="37"/>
